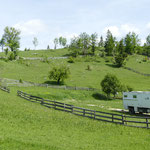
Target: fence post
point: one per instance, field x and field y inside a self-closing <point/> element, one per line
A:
<point x="42" y="101"/>
<point x="83" y="112"/>
<point x="71" y="108"/>
<point x="122" y="119"/>
<point x="112" y="117"/>
<point x="54" y="105"/>
<point x="147" y="122"/>
<point x="94" y="114"/>
<point x="64" y="107"/>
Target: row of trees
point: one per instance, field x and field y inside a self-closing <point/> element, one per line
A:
<point x="87" y="44"/>
<point x="61" y="41"/>
<point x="84" y="44"/>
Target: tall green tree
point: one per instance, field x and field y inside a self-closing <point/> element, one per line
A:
<point x="64" y="42"/>
<point x="109" y="43"/>
<point x="85" y="42"/>
<point x="93" y="41"/>
<point x="121" y="47"/>
<point x="35" y="42"/>
<point x="2" y="43"/>
<point x="120" y="55"/>
<point x="48" y="47"/>
<point x="56" y="43"/>
<point x="131" y="43"/>
<point x="146" y="47"/>
<point x="101" y="42"/>
<point x="148" y="40"/>
<point x="12" y="39"/>
<point x="75" y="46"/>
<point x="60" y="40"/>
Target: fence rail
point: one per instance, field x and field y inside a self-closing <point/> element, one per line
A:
<point x="13" y="82"/>
<point x="134" y="121"/>
<point x="144" y="74"/>
<point x="4" y="88"/>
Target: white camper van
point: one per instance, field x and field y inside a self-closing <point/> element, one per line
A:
<point x="137" y="101"/>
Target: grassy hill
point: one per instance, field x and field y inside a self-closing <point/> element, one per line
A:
<point x="37" y="70"/>
<point x="26" y="125"/>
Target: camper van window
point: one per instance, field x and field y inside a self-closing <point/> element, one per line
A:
<point x="125" y="96"/>
<point x="134" y="96"/>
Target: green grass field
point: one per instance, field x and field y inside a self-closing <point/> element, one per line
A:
<point x="30" y="126"/>
<point x="37" y="71"/>
<point x="136" y="62"/>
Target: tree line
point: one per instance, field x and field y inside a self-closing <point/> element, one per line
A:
<point x="85" y="44"/>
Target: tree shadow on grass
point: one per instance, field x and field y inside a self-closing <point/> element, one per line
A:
<point x="99" y="96"/>
<point x="69" y="54"/>
<point x="53" y="83"/>
<point x="112" y="65"/>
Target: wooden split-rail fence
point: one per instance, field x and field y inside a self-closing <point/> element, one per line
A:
<point x="4" y="88"/>
<point x="134" y="121"/>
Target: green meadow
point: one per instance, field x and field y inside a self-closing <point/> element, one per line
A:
<point x="30" y="126"/>
<point x="37" y="71"/>
<point x="26" y="125"/>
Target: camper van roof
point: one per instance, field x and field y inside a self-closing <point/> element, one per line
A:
<point x="138" y="92"/>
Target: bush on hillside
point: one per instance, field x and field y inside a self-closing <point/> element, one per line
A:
<point x="120" y="59"/>
<point x="59" y="73"/>
<point x="89" y="68"/>
<point x="71" y="60"/>
<point x="20" y="81"/>
<point x="11" y="56"/>
<point x="110" y="85"/>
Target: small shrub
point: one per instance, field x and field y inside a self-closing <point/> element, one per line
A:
<point x="71" y="60"/>
<point x="20" y="61"/>
<point x="129" y="88"/>
<point x="11" y="56"/>
<point x="45" y="60"/>
<point x="89" y="68"/>
<point x="20" y="81"/>
<point x="27" y="64"/>
<point x="145" y="59"/>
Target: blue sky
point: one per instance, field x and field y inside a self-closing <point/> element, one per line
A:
<point x="47" y="19"/>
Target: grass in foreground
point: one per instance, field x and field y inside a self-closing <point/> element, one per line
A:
<point x="26" y="125"/>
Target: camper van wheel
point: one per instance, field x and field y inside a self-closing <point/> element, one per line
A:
<point x="131" y="110"/>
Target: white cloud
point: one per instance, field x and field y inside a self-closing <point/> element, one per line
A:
<point x="122" y="30"/>
<point x="31" y="27"/>
<point x="114" y="30"/>
<point x="126" y="28"/>
<point x="143" y="41"/>
<point x="148" y="25"/>
<point x="68" y="35"/>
